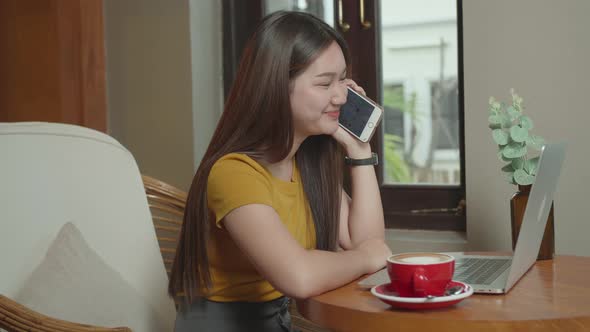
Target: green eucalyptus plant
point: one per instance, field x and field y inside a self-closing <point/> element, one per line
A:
<point x="511" y="130"/>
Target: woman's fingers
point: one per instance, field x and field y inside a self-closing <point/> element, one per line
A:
<point x="355" y="87"/>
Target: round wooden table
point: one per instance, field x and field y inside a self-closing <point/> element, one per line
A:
<point x="554" y="295"/>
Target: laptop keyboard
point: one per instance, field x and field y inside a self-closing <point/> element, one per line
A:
<point x="479" y="271"/>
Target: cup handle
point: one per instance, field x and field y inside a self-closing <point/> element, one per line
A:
<point x="420" y="282"/>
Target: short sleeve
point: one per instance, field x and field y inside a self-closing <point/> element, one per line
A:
<point x="234" y="182"/>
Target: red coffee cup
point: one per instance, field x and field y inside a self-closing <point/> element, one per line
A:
<point x="420" y="274"/>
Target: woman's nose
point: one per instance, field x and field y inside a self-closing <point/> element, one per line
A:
<point x="340" y="95"/>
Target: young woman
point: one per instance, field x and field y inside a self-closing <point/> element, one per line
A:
<point x="266" y="216"/>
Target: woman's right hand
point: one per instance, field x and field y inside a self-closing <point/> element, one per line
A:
<point x="376" y="252"/>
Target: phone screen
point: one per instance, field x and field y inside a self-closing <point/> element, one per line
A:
<point x="355" y="113"/>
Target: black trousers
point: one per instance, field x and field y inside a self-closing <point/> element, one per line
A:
<point x="205" y="315"/>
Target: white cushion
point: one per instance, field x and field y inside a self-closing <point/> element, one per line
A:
<point x="73" y="283"/>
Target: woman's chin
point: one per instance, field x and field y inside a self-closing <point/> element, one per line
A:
<point x="325" y="128"/>
<point x="330" y="128"/>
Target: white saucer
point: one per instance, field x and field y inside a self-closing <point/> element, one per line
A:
<point x="390" y="296"/>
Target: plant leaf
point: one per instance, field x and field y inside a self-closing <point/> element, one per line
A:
<point x="494" y="105"/>
<point x="495" y="119"/>
<point x="518" y="163"/>
<point x="494" y="108"/>
<point x="508" y="168"/>
<point x="518" y="134"/>
<point x="506" y="123"/>
<point x="532" y="165"/>
<point x="500" y="136"/>
<point x="513" y="113"/>
<point x="523" y="178"/>
<point x="526" y="122"/>
<point x="495" y="126"/>
<point x="514" y="150"/>
<point x="517" y="106"/>
<point x="501" y="155"/>
<point x="536" y="142"/>
<point x="509" y="177"/>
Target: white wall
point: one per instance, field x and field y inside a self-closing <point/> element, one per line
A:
<point x="541" y="48"/>
<point x="163" y="81"/>
<point x="207" y="72"/>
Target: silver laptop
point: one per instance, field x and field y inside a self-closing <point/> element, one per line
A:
<point x="498" y="274"/>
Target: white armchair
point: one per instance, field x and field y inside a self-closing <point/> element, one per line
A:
<point x="77" y="242"/>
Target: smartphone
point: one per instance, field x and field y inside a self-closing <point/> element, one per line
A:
<point x="359" y="116"/>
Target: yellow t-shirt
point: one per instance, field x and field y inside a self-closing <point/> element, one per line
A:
<point x="236" y="180"/>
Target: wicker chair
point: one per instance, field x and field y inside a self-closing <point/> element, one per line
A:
<point x="167" y="204"/>
<point x="18" y="318"/>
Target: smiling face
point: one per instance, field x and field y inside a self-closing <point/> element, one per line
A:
<point x="317" y="94"/>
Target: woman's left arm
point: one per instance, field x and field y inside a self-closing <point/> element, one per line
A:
<point x="361" y="217"/>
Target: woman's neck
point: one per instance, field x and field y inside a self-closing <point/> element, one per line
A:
<point x="283" y="169"/>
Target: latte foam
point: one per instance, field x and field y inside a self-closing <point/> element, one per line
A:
<point x="420" y="258"/>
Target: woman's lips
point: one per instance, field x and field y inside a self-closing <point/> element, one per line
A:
<point x="333" y="114"/>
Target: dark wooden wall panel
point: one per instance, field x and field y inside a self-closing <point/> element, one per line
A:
<point x="52" y="65"/>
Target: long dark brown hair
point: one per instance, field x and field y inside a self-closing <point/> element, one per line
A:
<point x="257" y="121"/>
